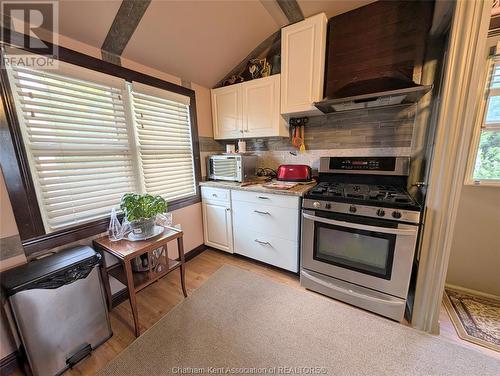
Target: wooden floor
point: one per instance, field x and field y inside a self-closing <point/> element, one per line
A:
<point x="157" y="299"/>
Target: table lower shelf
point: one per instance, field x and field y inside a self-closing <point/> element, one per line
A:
<point x="144" y="279"/>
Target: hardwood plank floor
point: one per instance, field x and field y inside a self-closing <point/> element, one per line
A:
<point x="159" y="298"/>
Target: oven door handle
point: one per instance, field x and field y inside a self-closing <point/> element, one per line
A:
<point x="358" y="226"/>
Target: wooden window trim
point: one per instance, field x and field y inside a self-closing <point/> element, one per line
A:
<point x="16" y="169"/>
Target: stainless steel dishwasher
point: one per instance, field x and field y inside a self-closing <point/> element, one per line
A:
<point x="59" y="309"/>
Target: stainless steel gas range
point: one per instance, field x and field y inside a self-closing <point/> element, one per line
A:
<point x="359" y="232"/>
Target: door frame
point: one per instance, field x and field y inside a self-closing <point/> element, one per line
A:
<point x="464" y="67"/>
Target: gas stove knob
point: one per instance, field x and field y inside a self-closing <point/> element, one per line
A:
<point x="380" y="212"/>
<point x="352" y="209"/>
<point x="328" y="206"/>
<point x="317" y="204"/>
<point x="396" y="214"/>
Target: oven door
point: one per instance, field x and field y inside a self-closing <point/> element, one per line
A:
<point x="370" y="252"/>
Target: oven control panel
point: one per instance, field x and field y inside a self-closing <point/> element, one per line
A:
<point x="398" y="215"/>
<point x="379" y="164"/>
<point x="365" y="165"/>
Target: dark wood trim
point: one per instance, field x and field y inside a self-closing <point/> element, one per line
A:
<point x="124" y="24"/>
<point x="77" y="58"/>
<point x="15" y="166"/>
<point x="10" y="364"/>
<point x="291" y="9"/>
<point x="119" y="297"/>
<point x="195" y="252"/>
<point x="494" y="23"/>
<point x="15" y="163"/>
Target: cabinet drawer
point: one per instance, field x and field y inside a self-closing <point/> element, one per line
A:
<point x="269" y="249"/>
<point x="266" y="199"/>
<point x="272" y="220"/>
<point x="217" y="194"/>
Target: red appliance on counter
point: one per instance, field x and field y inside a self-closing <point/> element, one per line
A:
<point x="294" y="172"/>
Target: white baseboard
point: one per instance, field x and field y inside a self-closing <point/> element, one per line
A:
<point x="472" y="292"/>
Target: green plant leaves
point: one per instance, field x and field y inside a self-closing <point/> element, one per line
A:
<point x="136" y="206"/>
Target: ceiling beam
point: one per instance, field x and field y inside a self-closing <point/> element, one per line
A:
<point x="291" y="9"/>
<point x="126" y="20"/>
<point x="275" y="12"/>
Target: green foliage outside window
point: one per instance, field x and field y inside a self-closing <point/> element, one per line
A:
<point x="488" y="156"/>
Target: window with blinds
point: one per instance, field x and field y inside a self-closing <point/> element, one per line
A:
<point x="487" y="163"/>
<point x="164" y="141"/>
<point x="90" y="138"/>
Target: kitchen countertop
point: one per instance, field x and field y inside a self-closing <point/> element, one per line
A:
<point x="298" y="190"/>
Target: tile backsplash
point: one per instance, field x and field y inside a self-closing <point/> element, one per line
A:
<point x="376" y="132"/>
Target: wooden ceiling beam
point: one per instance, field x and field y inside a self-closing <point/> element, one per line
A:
<point x="291" y="9"/>
<point x="126" y="21"/>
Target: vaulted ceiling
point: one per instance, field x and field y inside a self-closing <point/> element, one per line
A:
<point x="196" y="40"/>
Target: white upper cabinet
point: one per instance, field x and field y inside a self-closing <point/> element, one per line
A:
<point x="247" y="110"/>
<point x="261" y="108"/>
<point x="226" y="112"/>
<point x="303" y="48"/>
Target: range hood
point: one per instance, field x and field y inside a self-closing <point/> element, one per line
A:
<point x="373" y="93"/>
<point x="375" y="55"/>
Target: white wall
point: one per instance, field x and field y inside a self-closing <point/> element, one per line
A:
<point x="475" y="254"/>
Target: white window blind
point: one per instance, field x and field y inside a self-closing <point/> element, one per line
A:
<point x="75" y="134"/>
<point x="492" y="115"/>
<point x="163" y="141"/>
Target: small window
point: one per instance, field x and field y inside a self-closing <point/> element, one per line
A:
<point x="164" y="143"/>
<point x="486" y="169"/>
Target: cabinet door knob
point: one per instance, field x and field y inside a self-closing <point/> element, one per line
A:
<point x="227" y="209"/>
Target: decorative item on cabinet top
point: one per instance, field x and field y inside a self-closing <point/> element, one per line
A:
<point x="256" y="68"/>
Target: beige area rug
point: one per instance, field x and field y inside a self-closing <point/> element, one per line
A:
<point x="476" y="319"/>
<point x="241" y="323"/>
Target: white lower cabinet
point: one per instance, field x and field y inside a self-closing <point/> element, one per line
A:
<point x="217" y="223"/>
<point x="266" y="248"/>
<point x="261" y="226"/>
<point x="266" y="228"/>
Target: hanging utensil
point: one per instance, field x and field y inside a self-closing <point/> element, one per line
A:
<point x="297" y="140"/>
<point x="302" y="148"/>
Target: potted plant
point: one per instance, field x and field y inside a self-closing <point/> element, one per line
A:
<point x="141" y="210"/>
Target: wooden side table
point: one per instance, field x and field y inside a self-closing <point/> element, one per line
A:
<point x="158" y="267"/>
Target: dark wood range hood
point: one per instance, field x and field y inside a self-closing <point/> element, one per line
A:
<point x="375" y="54"/>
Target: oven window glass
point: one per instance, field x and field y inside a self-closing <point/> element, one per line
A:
<point x="367" y="252"/>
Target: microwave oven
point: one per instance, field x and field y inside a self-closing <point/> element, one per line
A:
<point x="232" y="167"/>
